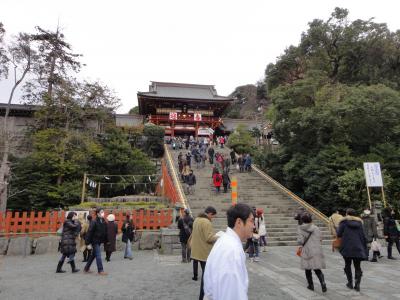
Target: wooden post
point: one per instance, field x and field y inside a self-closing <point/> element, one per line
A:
<point x="83" y="187"/>
<point x="383" y="197"/>
<point x="98" y="190"/>
<point x="234" y="190"/>
<point x="369" y="198"/>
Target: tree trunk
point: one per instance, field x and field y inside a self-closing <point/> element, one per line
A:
<point x="5" y="168"/>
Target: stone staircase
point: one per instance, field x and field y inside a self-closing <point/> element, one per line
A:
<point x="254" y="190"/>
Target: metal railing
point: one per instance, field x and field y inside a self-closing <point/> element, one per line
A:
<point x="293" y="196"/>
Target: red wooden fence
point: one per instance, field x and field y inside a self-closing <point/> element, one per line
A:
<point x="168" y="190"/>
<point x="13" y="223"/>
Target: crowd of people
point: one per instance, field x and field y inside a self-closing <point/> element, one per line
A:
<point x="201" y="150"/>
<point x="222" y="255"/>
<point x="90" y="234"/>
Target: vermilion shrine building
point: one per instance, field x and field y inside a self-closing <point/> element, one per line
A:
<point x="183" y="109"/>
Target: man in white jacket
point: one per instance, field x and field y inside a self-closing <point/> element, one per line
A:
<point x="225" y="277"/>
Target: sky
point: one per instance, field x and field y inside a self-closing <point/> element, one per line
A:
<point x="126" y="44"/>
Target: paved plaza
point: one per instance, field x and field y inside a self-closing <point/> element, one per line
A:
<point x="153" y="276"/>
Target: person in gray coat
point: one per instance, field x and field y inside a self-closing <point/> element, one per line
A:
<point x="371" y="231"/>
<point x="312" y="257"/>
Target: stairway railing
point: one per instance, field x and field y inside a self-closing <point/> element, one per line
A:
<point x="175" y="177"/>
<point x="296" y="198"/>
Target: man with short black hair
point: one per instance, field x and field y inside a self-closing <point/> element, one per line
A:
<point x="225" y="277"/>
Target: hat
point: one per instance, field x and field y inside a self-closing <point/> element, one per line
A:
<point x="187" y="211"/>
<point x="111" y="218"/>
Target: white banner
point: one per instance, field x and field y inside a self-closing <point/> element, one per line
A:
<point x="197" y="117"/>
<point x="173" y="116"/>
<point x="373" y="174"/>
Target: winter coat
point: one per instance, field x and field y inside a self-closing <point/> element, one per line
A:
<point x="334" y="221"/>
<point x="97" y="233"/>
<point x="260" y="226"/>
<point x="112" y="231"/>
<point x="202" y="238"/>
<point x="233" y="155"/>
<point x="183" y="235"/>
<point x="217" y="182"/>
<point x="191" y="179"/>
<point x="128" y="232"/>
<point x="370" y="228"/>
<point x="225" y="178"/>
<point x="390" y="229"/>
<point x="312" y="257"/>
<point x="71" y="230"/>
<point x="354" y="242"/>
<point x="84" y="230"/>
<point x="211" y="152"/>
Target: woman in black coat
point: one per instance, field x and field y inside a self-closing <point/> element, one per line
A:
<point x="112" y="231"/>
<point x="390" y="232"/>
<point x="128" y="236"/>
<point x="354" y="247"/>
<point x="71" y="229"/>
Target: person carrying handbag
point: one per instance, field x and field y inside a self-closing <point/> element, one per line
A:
<point x="312" y="257"/>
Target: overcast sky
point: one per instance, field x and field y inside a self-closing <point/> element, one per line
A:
<point x="227" y="43"/>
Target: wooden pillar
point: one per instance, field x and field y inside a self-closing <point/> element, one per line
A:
<point x="173" y="128"/>
<point x="83" y="188"/>
<point x="197" y="130"/>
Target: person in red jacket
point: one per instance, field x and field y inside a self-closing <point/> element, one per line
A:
<point x="217" y="180"/>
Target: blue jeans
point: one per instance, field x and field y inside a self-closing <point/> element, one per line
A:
<point x="253" y="249"/>
<point x="128" y="249"/>
<point x="96" y="253"/>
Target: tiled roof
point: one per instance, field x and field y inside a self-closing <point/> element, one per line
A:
<point x="183" y="90"/>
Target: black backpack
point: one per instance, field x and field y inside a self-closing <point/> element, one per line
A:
<point x="187" y="228"/>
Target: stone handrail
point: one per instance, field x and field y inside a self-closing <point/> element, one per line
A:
<point x="175" y="178"/>
<point x="296" y="198"/>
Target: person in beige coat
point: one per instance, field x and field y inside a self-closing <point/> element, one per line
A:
<point x="86" y="249"/>
<point x="201" y="241"/>
<point x="312" y="257"/>
<point x="334" y="221"/>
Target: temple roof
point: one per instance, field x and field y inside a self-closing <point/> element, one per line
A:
<point x="183" y="91"/>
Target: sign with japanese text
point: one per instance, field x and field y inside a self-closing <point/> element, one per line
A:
<point x="173" y="116"/>
<point x="197" y="117"/>
<point x="373" y="175"/>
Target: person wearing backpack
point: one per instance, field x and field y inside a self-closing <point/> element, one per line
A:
<point x="217" y="180"/>
<point x="185" y="226"/>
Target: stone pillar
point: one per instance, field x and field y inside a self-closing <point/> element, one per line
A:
<point x="170" y="241"/>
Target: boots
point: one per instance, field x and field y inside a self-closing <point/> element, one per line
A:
<point x="321" y="278"/>
<point x="85" y="255"/>
<point x="349" y="278"/>
<point x="374" y="256"/>
<point x="357" y="278"/>
<point x="389" y="251"/>
<point x="74" y="269"/>
<point x="59" y="266"/>
<point x="309" y="280"/>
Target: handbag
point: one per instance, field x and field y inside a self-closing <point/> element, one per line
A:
<point x="300" y="248"/>
<point x="397" y="225"/>
<point x="375" y="246"/>
<point x="336" y="243"/>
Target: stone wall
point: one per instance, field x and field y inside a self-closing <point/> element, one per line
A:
<point x="23" y="246"/>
